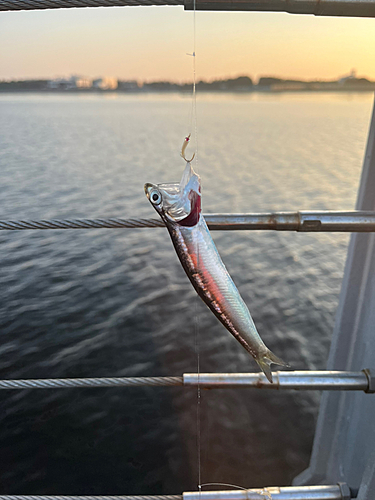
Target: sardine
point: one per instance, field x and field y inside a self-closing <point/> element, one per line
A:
<point x="179" y="206"/>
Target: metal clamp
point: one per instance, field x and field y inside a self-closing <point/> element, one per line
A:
<point x="346" y="494"/>
<point x="371" y="381"/>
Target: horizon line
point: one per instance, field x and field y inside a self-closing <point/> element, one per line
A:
<point x="188" y="82"/>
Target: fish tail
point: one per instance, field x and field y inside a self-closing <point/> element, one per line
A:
<point x="266" y="359"/>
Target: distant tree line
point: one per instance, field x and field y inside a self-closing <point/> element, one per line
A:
<point x="242" y="83"/>
<point x="28" y="85"/>
<point x="239" y="84"/>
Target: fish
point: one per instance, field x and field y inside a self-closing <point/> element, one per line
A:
<point x="179" y="206"/>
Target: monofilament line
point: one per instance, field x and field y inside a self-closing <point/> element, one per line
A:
<point x="193" y="110"/>
<point x="198" y="332"/>
<point x="193" y="122"/>
<point x="194" y="84"/>
<point x="197" y="350"/>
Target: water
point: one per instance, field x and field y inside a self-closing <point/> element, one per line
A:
<point x="91" y="303"/>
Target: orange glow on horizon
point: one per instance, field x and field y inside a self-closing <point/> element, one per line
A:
<point x="150" y="43"/>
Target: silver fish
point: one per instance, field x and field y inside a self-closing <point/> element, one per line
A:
<point x="179" y="206"/>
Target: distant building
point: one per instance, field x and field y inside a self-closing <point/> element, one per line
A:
<point x="83" y="82"/>
<point x="57" y="84"/>
<point x="351" y="76"/>
<point x="74" y="82"/>
<point x="105" y="83"/>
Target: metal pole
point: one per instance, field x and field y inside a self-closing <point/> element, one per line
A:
<point x="304" y="221"/>
<point x="355" y="8"/>
<point x="298" y="380"/>
<point x="324" y="492"/>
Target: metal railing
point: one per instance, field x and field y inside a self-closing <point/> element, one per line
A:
<point x="355" y="8"/>
<point x="302" y="221"/>
<point x="282" y="380"/>
<point x="352" y="8"/>
<point x="339" y="491"/>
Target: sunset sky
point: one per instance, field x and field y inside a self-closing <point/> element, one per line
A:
<point x="150" y="43"/>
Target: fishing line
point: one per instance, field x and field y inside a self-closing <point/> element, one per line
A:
<point x="194" y="112"/>
<point x="194" y="103"/>
<point x="193" y="109"/>
<point x="198" y="416"/>
<point x="193" y="123"/>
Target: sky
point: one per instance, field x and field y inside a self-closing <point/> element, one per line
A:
<point x="151" y="43"/>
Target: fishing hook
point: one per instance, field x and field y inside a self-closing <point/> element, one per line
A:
<point x="184" y="146"/>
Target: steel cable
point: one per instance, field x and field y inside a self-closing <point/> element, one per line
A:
<point x="59" y="383"/>
<point x="113" y="223"/>
<point x="90" y="497"/>
<point x="59" y="4"/>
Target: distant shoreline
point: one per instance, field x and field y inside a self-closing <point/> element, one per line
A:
<point x="239" y="85"/>
<point x="339" y="88"/>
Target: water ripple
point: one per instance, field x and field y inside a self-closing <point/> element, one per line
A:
<point x="117" y="303"/>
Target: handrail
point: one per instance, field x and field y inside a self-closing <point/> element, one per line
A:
<point x="301" y="221"/>
<point x="352" y="8"/>
<point x="283" y="380"/>
<point x="339" y="491"/>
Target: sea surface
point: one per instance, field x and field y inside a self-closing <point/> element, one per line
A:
<point x="116" y="302"/>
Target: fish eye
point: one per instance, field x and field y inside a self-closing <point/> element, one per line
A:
<point x="155" y="197"/>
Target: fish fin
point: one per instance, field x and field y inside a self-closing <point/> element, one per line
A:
<point x="266" y="359"/>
